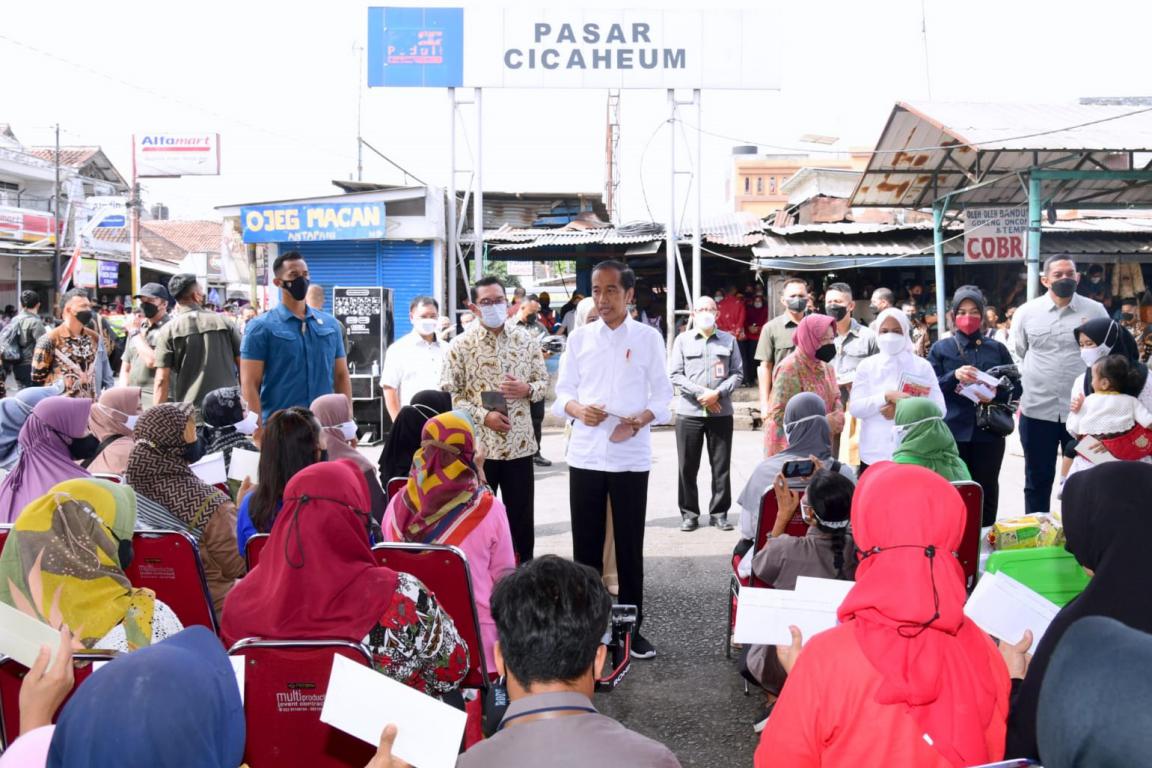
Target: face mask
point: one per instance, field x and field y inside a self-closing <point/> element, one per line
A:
<point x="150" y="310"/>
<point x="494" y="315"/>
<point x="83" y="448"/>
<point x="1127" y="317"/>
<point x="1064" y="287"/>
<point x="1092" y="355"/>
<point x="193" y="452"/>
<point x="323" y="454"/>
<point x="130" y="421"/>
<point x="836" y="312"/>
<point x="532" y="318"/>
<point x="348" y="430"/>
<point x="891" y="343"/>
<point x="718" y="298"/>
<point x="758" y="304"/>
<point x="797" y="304"/>
<point x="84" y="316"/>
<point x="826" y="353"/>
<point x="790" y="427"/>
<point x="425" y="326"/>
<point x="968" y="324"/>
<point x="248" y="425"/>
<point x="1097" y="280"/>
<point x="874" y="309"/>
<point x="297" y="289"/>
<point x="900" y="431"/>
<point x="705" y="321"/>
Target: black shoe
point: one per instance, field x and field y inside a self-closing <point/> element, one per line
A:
<point x="641" y="648"/>
<point x="689" y="524"/>
<point x="540" y="461"/>
<point x="721" y="522"/>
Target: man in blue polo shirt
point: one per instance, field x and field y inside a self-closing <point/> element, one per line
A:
<point x="292" y="354"/>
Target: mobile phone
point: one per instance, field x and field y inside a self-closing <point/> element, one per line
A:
<point x="799" y="468"/>
<point x="493" y="400"/>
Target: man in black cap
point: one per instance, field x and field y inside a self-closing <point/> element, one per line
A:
<point x="139" y="367"/>
<point x="197" y="351"/>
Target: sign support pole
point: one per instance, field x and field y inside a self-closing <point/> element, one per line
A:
<point x="1034" y="205"/>
<point x="453" y="245"/>
<point x="478" y="198"/>
<point x="670" y="246"/>
<point x="698" y="170"/>
<point x="134" y="227"/>
<point x="938" y="209"/>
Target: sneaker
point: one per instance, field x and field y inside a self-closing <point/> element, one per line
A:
<point x="540" y="461"/>
<point x="641" y="648"/>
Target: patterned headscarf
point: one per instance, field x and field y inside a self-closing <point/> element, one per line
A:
<point x="61" y="563"/>
<point x="444" y="500"/>
<point x="158" y="471"/>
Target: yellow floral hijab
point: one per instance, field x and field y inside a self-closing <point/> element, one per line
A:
<point x="61" y="563"/>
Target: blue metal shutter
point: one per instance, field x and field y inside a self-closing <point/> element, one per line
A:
<point x="406" y="268"/>
<point x="342" y="262"/>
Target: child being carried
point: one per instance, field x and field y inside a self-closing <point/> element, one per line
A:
<point x="1119" y="421"/>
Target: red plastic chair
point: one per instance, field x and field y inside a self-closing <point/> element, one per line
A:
<point x="444" y="571"/>
<point x="12" y="676"/>
<point x="395" y="486"/>
<point x="254" y="547"/>
<point x="168" y="563"/>
<point x="285" y="682"/>
<point x="969" y="550"/>
<point x="4" y="531"/>
<point x="112" y="478"/>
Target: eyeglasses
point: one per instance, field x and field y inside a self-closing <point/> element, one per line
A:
<point x="490" y="302"/>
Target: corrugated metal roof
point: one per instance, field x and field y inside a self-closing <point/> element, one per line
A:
<point x="516" y="239"/>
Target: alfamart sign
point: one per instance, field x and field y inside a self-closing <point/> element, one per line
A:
<point x="544" y="48"/>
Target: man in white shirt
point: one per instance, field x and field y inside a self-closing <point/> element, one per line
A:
<point x="413" y="363"/>
<point x="613" y="383"/>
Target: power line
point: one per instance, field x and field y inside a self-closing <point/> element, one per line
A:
<point x="392" y="162"/>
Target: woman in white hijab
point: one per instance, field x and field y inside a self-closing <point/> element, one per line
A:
<point x="884" y="379"/>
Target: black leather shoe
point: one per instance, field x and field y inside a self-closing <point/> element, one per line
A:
<point x="689" y="524"/>
<point x="721" y="522"/>
<point x="540" y="461"/>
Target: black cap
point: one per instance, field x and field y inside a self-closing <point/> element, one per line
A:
<point x="179" y="284"/>
<point x="154" y="291"/>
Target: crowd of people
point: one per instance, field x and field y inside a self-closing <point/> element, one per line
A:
<point x="880" y="417"/>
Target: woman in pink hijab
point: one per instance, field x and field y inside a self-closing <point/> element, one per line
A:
<point x="334" y="412"/>
<point x="51" y="441"/>
<point x="112" y="420"/>
<point x="807" y="369"/>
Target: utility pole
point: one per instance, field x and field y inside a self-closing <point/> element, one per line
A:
<point x="56" y="214"/>
<point x="359" y="114"/>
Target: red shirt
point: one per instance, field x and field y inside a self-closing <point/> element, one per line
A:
<point x="731" y="316"/>
<point x="757" y="317"/>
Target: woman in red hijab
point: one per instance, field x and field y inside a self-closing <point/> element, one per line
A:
<point x="317" y="578"/>
<point x="904" y="679"/>
<point x="806" y="369"/>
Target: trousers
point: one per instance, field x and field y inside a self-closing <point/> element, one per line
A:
<point x="1042" y="442"/>
<point x="984" y="460"/>
<point x="691" y="433"/>
<point x="515" y="479"/>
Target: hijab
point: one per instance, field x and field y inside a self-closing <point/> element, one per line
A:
<point x="936" y="668"/>
<point x="809" y="334"/>
<point x="1106" y="528"/>
<point x="109" y="418"/>
<point x="44" y="457"/>
<point x="583" y="309"/>
<point x="1108" y="333"/>
<point x="171" y="705"/>
<point x="927" y="441"/>
<point x="14" y="411"/>
<point x="332" y="411"/>
<point x="806" y="428"/>
<point x="222" y="410"/>
<point x="61" y="563"/>
<point x="1093" y="710"/>
<point x="158" y="471"/>
<point x="444" y="500"/>
<point x="407" y="430"/>
<point x="317" y="576"/>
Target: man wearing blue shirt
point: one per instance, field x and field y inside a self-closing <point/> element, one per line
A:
<point x="292" y="354"/>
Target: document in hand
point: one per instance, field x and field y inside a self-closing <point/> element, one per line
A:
<point x="361" y="701"/>
<point x="21" y="636"/>
<point x="764" y="615"/>
<point x="244" y="464"/>
<point x="914" y="386"/>
<point x="1004" y="608"/>
<point x="210" y="469"/>
<point x="1093" y="451"/>
<point x="984" y="387"/>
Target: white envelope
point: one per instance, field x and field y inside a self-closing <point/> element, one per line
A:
<point x="764" y="616"/>
<point x="21" y="636"/>
<point x="244" y="464"/>
<point x="1004" y="608"/>
<point x="832" y="590"/>
<point x="361" y="701"/>
<point x="210" y="469"/>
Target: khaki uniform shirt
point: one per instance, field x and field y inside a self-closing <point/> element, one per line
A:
<point x="200" y="348"/>
<point x="776" y="339"/>
<point x="140" y="374"/>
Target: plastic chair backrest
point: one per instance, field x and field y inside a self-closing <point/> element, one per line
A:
<point x="112" y="478"/>
<point x="254" y="546"/>
<point x="4" y="531"/>
<point x="285" y="682"/>
<point x="12" y="676"/>
<point x="969" y="550"/>
<point x="395" y="486"/>
<point x="168" y="563"/>
<point x="765" y="522"/>
<point x="444" y="571"/>
<point x="1051" y="571"/>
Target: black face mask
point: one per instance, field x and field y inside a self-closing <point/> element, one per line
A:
<point x="874" y="309"/>
<point x="297" y="288"/>
<point x="797" y="305"/>
<point x="532" y="318"/>
<point x="826" y="353"/>
<point x="84" y="316"/>
<point x="324" y="454"/>
<point x="150" y="310"/>
<point x="835" y="312"/>
<point x="1064" y="288"/>
<point x="193" y="452"/>
<point x="83" y="448"/>
<point x="1127" y="317"/>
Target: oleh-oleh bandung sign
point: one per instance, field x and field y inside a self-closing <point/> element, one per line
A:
<point x="995" y="234"/>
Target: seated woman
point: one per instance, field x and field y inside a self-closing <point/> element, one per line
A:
<point x="52" y="440"/>
<point x="111" y="422"/>
<point x="291" y="441"/>
<point x="228" y="424"/>
<point x="319" y="578"/>
<point x="809" y="436"/>
<point x="158" y="471"/>
<point x="905" y="679"/>
<point x="334" y="412"/>
<point x="64" y="563"/>
<point x="404" y="439"/>
<point x="922" y="438"/>
<point x="14" y="411"/>
<point x="446" y="502"/>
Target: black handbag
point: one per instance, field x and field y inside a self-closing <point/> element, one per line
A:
<point x="996" y="418"/>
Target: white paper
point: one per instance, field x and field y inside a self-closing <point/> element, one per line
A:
<point x="831" y="590"/>
<point x="238" y="670"/>
<point x="764" y="616"/>
<point x="361" y="701"/>
<point x="21" y="636"/>
<point x="210" y="469"/>
<point x="1004" y="608"/>
<point x="977" y="393"/>
<point x="244" y="464"/>
<point x="1085" y="448"/>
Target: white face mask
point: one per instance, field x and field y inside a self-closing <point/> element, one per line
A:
<point x="425" y="326"/>
<point x="130" y="421"/>
<point x="1092" y="355"/>
<point x="248" y="426"/>
<point x="891" y="343"/>
<point x="900" y="431"/>
<point x="705" y="321"/>
<point x="789" y="426"/>
<point x="495" y="315"/>
<point x="348" y="430"/>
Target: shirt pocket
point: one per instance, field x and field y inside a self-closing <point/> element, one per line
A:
<point x="326" y="340"/>
<point x="1042" y="338"/>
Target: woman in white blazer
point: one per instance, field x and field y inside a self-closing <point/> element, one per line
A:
<point x="878" y="386"/>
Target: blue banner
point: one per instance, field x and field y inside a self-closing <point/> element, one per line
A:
<point x="107" y="274"/>
<point x="416" y="47"/>
<point x="306" y="223"/>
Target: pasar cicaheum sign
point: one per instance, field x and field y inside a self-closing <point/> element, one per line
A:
<point x="995" y="234"/>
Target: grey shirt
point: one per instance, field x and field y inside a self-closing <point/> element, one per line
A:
<point x="1042" y="335"/>
<point x="570" y="741"/>
<point x="851" y="348"/>
<point x="31" y="329"/>
<point x="699" y="363"/>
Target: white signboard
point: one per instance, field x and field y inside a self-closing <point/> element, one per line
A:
<point x="177" y="154"/>
<point x="995" y="234"/>
<point x="521" y="268"/>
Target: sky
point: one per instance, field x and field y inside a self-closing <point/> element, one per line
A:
<point x="280" y="82"/>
